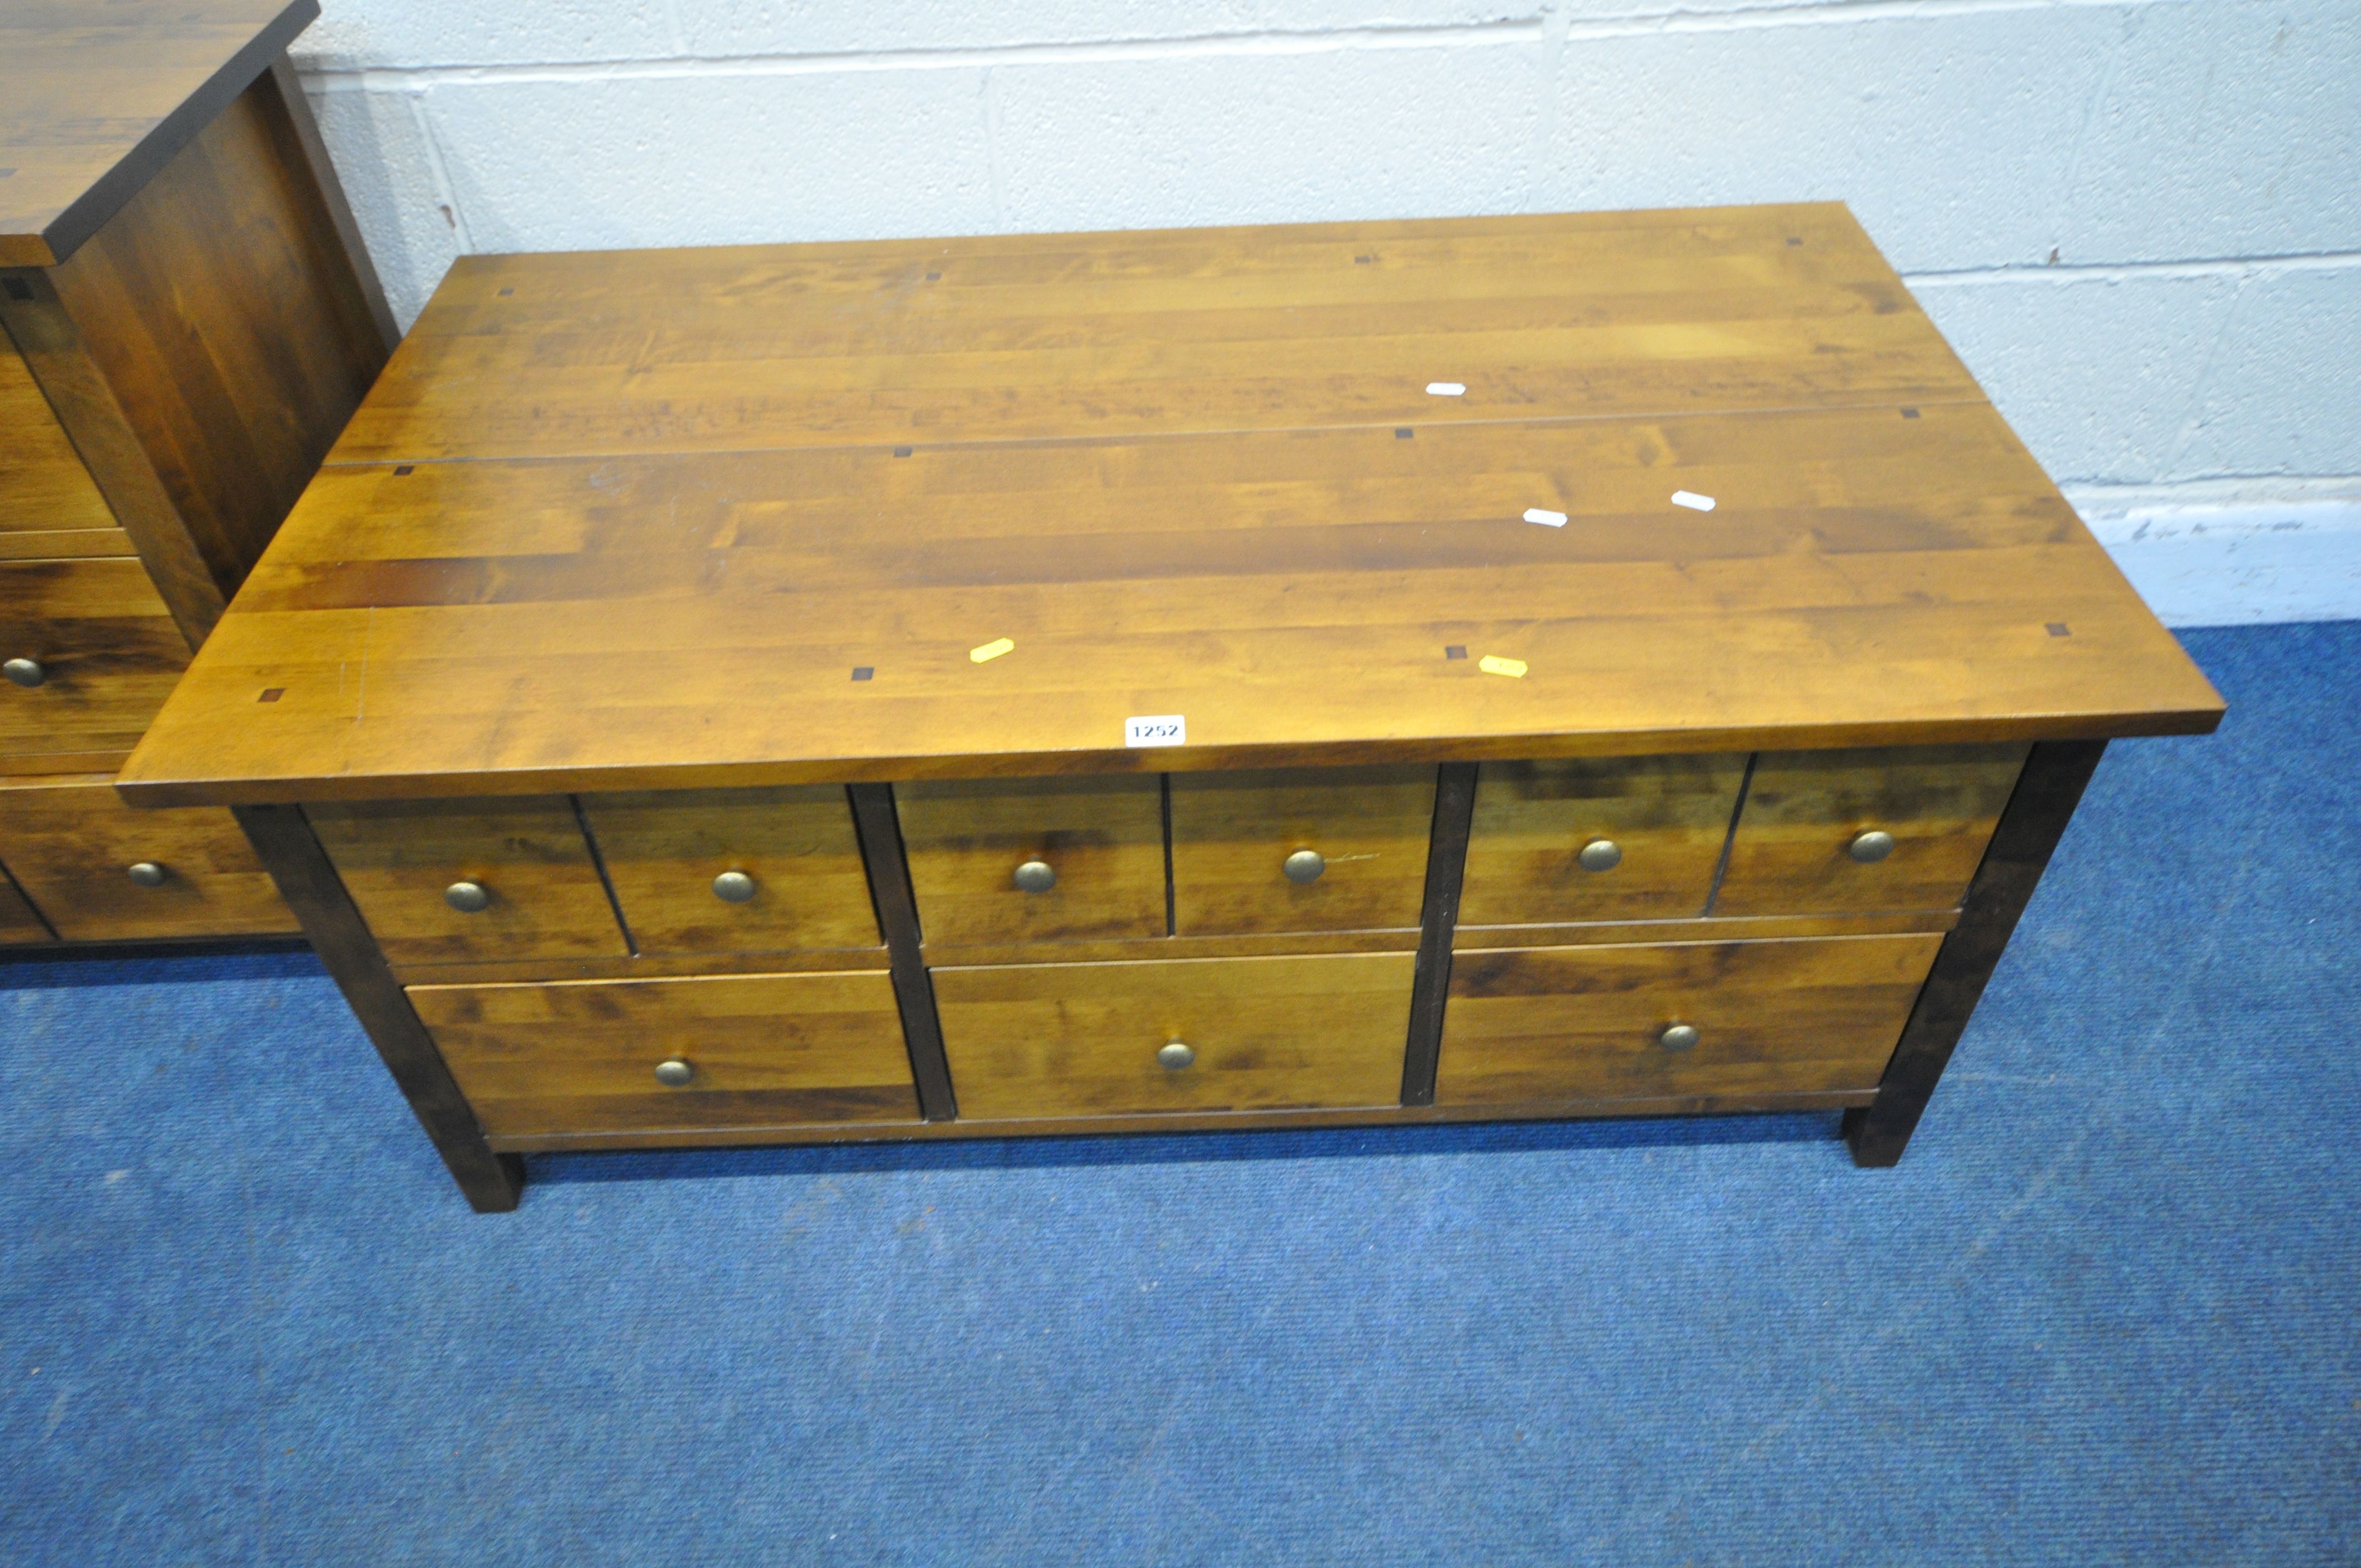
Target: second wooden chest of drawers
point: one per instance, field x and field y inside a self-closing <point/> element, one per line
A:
<point x="187" y="318"/>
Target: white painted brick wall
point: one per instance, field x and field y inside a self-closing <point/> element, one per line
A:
<point x="2140" y="220"/>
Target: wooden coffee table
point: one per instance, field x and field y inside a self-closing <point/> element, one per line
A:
<point x="1605" y="665"/>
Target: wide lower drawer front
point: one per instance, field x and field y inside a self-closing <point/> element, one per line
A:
<point x="1176" y="1035"/>
<point x="714" y="1051"/>
<point x="1527" y="1029"/>
<point x="1532" y="1026"/>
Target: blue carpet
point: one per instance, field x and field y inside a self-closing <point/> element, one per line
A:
<point x="2104" y="1311"/>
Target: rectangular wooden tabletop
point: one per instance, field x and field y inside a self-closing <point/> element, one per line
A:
<point x="1475" y="487"/>
<point x="94" y="98"/>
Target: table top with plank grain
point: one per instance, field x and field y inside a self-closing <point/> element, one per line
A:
<point x="745" y="515"/>
<point x="95" y="98"/>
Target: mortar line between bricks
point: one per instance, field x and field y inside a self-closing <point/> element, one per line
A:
<point x="2126" y="272"/>
<point x="1521" y="30"/>
<point x="2225" y="489"/>
<point x="340" y="77"/>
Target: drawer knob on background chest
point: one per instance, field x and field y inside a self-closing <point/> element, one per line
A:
<point x="733" y="887"/>
<point x="1036" y="876"/>
<point x="1601" y="855"/>
<point x="1870" y="847"/>
<point x="1305" y="865"/>
<point x="24" y="672"/>
<point x="147" y="874"/>
<point x="674" y="1073"/>
<point x="1175" y="1056"/>
<point x="467" y="897"/>
<point x="1678" y="1037"/>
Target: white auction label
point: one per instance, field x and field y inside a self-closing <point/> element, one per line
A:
<point x="1156" y="729"/>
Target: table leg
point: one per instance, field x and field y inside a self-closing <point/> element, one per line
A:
<point x="2043" y="803"/>
<point x="308" y="880"/>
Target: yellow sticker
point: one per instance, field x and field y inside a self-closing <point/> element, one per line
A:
<point x="994" y="649"/>
<point x="1493" y="664"/>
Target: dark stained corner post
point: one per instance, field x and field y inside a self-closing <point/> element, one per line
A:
<point x="880" y="829"/>
<point x="1446" y="865"/>
<point x="2039" y="808"/>
<point x="307" y="879"/>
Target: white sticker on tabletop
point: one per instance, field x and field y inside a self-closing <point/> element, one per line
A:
<point x="1156" y="729"/>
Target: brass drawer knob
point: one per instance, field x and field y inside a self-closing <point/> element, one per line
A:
<point x="467" y="897"/>
<point x="733" y="887"/>
<point x="147" y="874"/>
<point x="24" y="672"/>
<point x="1678" y="1037"/>
<point x="1870" y="847"/>
<point x="1175" y="1056"/>
<point x="674" y="1073"/>
<point x="1601" y="855"/>
<point x="1036" y="876"/>
<point x="1304" y="865"/>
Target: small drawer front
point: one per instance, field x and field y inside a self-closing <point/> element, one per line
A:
<point x="1576" y="839"/>
<point x="1101" y="840"/>
<point x="644" y="1055"/>
<point x="405" y="863"/>
<point x="103" y="871"/>
<point x="1300" y="850"/>
<point x="18" y="924"/>
<point x="1095" y="1039"/>
<point x="1808" y="839"/>
<point x="92" y="653"/>
<point x="735" y="871"/>
<point x="1529" y="1026"/>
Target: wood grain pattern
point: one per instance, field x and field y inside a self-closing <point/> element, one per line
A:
<point x="581" y="1056"/>
<point x="639" y="966"/>
<point x="77" y="388"/>
<point x="1254" y="945"/>
<point x="68" y="845"/>
<point x="1670" y="816"/>
<point x="71" y="545"/>
<point x="663" y="851"/>
<point x="493" y="1182"/>
<point x="1712" y="929"/>
<point x="1082" y="1039"/>
<point x="1865" y="579"/>
<point x="1534" y="1023"/>
<point x="221" y="318"/>
<point x="95" y="99"/>
<point x="20" y="923"/>
<point x="350" y="243"/>
<point x="1103" y="837"/>
<point x="396" y="858"/>
<point x="1165" y="1122"/>
<point x="1026" y="337"/>
<point x="1233" y="831"/>
<point x="1788" y="854"/>
<point x="44" y="487"/>
<point x="112" y="652"/>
